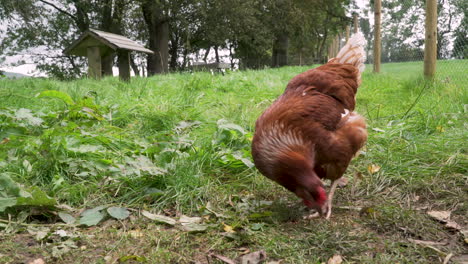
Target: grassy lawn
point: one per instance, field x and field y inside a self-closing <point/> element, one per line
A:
<point x="179" y="145"/>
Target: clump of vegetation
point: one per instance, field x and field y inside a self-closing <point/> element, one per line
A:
<point x="163" y="166"/>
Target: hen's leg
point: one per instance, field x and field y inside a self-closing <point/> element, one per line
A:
<point x="330" y="198"/>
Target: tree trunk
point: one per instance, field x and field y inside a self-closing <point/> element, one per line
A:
<point x="158" y="28"/>
<point x="347" y="33"/>
<point x="231" y="56"/>
<point x="184" y="62"/>
<point x="216" y="53"/>
<point x="162" y="50"/>
<point x="280" y="50"/>
<point x="355" y="22"/>
<point x="173" y="51"/>
<point x="111" y="21"/>
<point x="134" y="66"/>
<point x="206" y="54"/>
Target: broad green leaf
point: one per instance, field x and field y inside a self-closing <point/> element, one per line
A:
<point x="40" y="235"/>
<point x="27" y="165"/>
<point x="26" y="115"/>
<point x="8" y="188"/>
<point x="94" y="210"/>
<point x="67" y="218"/>
<point x="225" y="125"/>
<point x="91" y="218"/>
<point x="154" y="192"/>
<point x="6" y="202"/>
<point x="57" y="94"/>
<point x="159" y="218"/>
<point x="257" y="226"/>
<point x="38" y="198"/>
<point x="118" y="212"/>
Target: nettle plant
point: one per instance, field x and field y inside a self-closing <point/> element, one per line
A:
<point x="232" y="143"/>
<point x="68" y="146"/>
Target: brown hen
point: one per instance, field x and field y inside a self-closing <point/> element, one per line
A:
<point x="311" y="132"/>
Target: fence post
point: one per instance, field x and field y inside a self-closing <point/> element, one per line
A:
<point x="430" y="42"/>
<point x="355" y="22"/>
<point x="377" y="36"/>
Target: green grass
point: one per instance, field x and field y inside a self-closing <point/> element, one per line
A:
<point x="135" y="152"/>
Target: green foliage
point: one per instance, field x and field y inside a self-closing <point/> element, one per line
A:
<point x="57" y="94"/>
<point x="179" y="144"/>
<point x="13" y="195"/>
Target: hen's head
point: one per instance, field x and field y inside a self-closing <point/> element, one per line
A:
<point x="313" y="196"/>
<point x="296" y="174"/>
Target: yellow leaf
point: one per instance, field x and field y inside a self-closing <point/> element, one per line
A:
<point x="135" y="233"/>
<point x="336" y="259"/>
<point x="440" y="129"/>
<point x="373" y="168"/>
<point x="228" y="228"/>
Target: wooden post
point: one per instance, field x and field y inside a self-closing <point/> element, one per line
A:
<point x="124" y="65"/>
<point x="107" y="63"/>
<point x="430" y="42"/>
<point x="347" y="33"/>
<point x="377" y="36"/>
<point x="94" y="62"/>
<point x="355" y="22"/>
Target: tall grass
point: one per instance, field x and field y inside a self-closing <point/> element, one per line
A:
<point x="417" y="134"/>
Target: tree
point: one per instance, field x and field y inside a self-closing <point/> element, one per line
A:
<point x="50" y="26"/>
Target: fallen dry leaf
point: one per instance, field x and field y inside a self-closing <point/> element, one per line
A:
<point x="358" y="175"/>
<point x="462" y="259"/>
<point x="37" y="261"/>
<point x="190" y="220"/>
<point x="222" y="258"/>
<point x="442" y="216"/>
<point x="228" y="228"/>
<point x="159" y="218"/>
<point x="453" y="225"/>
<point x="135" y="233"/>
<point x="447" y="258"/>
<point x="427" y="243"/>
<point x="373" y="168"/>
<point x="244" y="250"/>
<point x="5" y="140"/>
<point x="464" y="232"/>
<point x="312" y="216"/>
<point x="253" y="258"/>
<point x="336" y="259"/>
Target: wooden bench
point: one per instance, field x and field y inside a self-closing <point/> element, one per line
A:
<point x="219" y="67"/>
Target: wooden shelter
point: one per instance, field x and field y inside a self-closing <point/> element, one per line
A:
<point x="96" y="45"/>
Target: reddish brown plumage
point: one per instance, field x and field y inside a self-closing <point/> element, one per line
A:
<point x="306" y="134"/>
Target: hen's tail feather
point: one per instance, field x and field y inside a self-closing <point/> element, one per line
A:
<point x="353" y="52"/>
